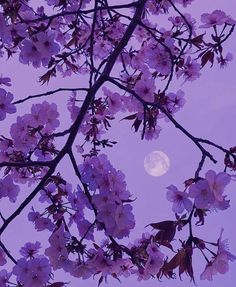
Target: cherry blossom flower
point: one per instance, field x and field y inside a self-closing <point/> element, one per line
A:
<point x="220" y="262"/>
<point x="224" y="61"/>
<point x="185" y="3"/>
<point x="81" y="270"/>
<point x="209" y="271"/>
<point x="114" y="101"/>
<point x="153" y="264"/>
<point x="217" y="17"/>
<point x="180" y="199"/>
<point x="158" y="58"/>
<point x="40" y="223"/>
<point x="47" y="46"/>
<point x="5" y="104"/>
<point x="3" y="260"/>
<point x="34" y="272"/>
<point x="217" y="183"/>
<point x="39" y="49"/>
<point x="8" y="188"/>
<point x="190" y="71"/>
<point x="202" y="194"/>
<point x="102" y="48"/>
<point x="152" y="133"/>
<point x="23" y="139"/>
<point x="5" y="81"/>
<point x="124" y="220"/>
<point x="4" y="278"/>
<point x="223" y="247"/>
<point x="145" y="88"/>
<point x="5" y="34"/>
<point x="57" y="251"/>
<point x="30" y="249"/>
<point x="30" y="54"/>
<point x="175" y="101"/>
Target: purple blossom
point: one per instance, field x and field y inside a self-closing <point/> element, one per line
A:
<point x="5" y="104"/>
<point x="202" y="194"/>
<point x="180" y="199"/>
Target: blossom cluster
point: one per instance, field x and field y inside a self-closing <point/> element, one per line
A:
<point x="110" y="196"/>
<point x="206" y="193"/>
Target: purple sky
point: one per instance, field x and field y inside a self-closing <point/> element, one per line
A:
<point x="208" y="113"/>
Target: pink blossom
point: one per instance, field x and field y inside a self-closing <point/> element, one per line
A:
<point x="5" y="81"/>
<point x="217" y="17"/>
<point x="223" y="247"/>
<point x="158" y="58"/>
<point x="5" y="104"/>
<point x="224" y="61"/>
<point x="114" y="101"/>
<point x="185" y="3"/>
<point x="18" y="30"/>
<point x="102" y="48"/>
<point x="102" y="263"/>
<point x="209" y="271"/>
<point x="4" y="278"/>
<point x="145" y="88"/>
<point x="202" y="194"/>
<point x="39" y="50"/>
<point x="180" y="199"/>
<point x="47" y="46"/>
<point x="30" y="249"/>
<point x="5" y="34"/>
<point x="29" y="53"/>
<point x="34" y="272"/>
<point x="8" y="188"/>
<point x="23" y="139"/>
<point x="81" y="270"/>
<point x="3" y="260"/>
<point x="157" y="8"/>
<point x="40" y="223"/>
<point x="123" y="267"/>
<point x="71" y="106"/>
<point x="217" y="183"/>
<point x="86" y="229"/>
<point x="175" y="101"/>
<point x="106" y="215"/>
<point x="57" y="251"/>
<point x="124" y="220"/>
<point x="153" y="264"/>
<point x="152" y="133"/>
<point x="220" y="262"/>
<point x="190" y="71"/>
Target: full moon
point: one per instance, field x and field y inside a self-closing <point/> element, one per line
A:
<point x="156" y="163"/>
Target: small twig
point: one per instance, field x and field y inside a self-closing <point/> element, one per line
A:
<point x="7" y="253"/>
<point x="49" y="93"/>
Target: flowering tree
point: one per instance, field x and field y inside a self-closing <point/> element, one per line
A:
<point x="126" y="62"/>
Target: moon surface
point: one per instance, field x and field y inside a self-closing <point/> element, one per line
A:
<point x="156" y="163"/>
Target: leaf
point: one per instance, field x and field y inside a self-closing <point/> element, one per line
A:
<point x="100" y="280"/>
<point x="130" y="117"/>
<point x="208" y="56"/>
<point x="174" y="262"/>
<point x="46" y="77"/>
<point x="165" y="235"/>
<point x="136" y="124"/>
<point x="163" y="225"/>
<point x="200" y="214"/>
<point x="198" y="40"/>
